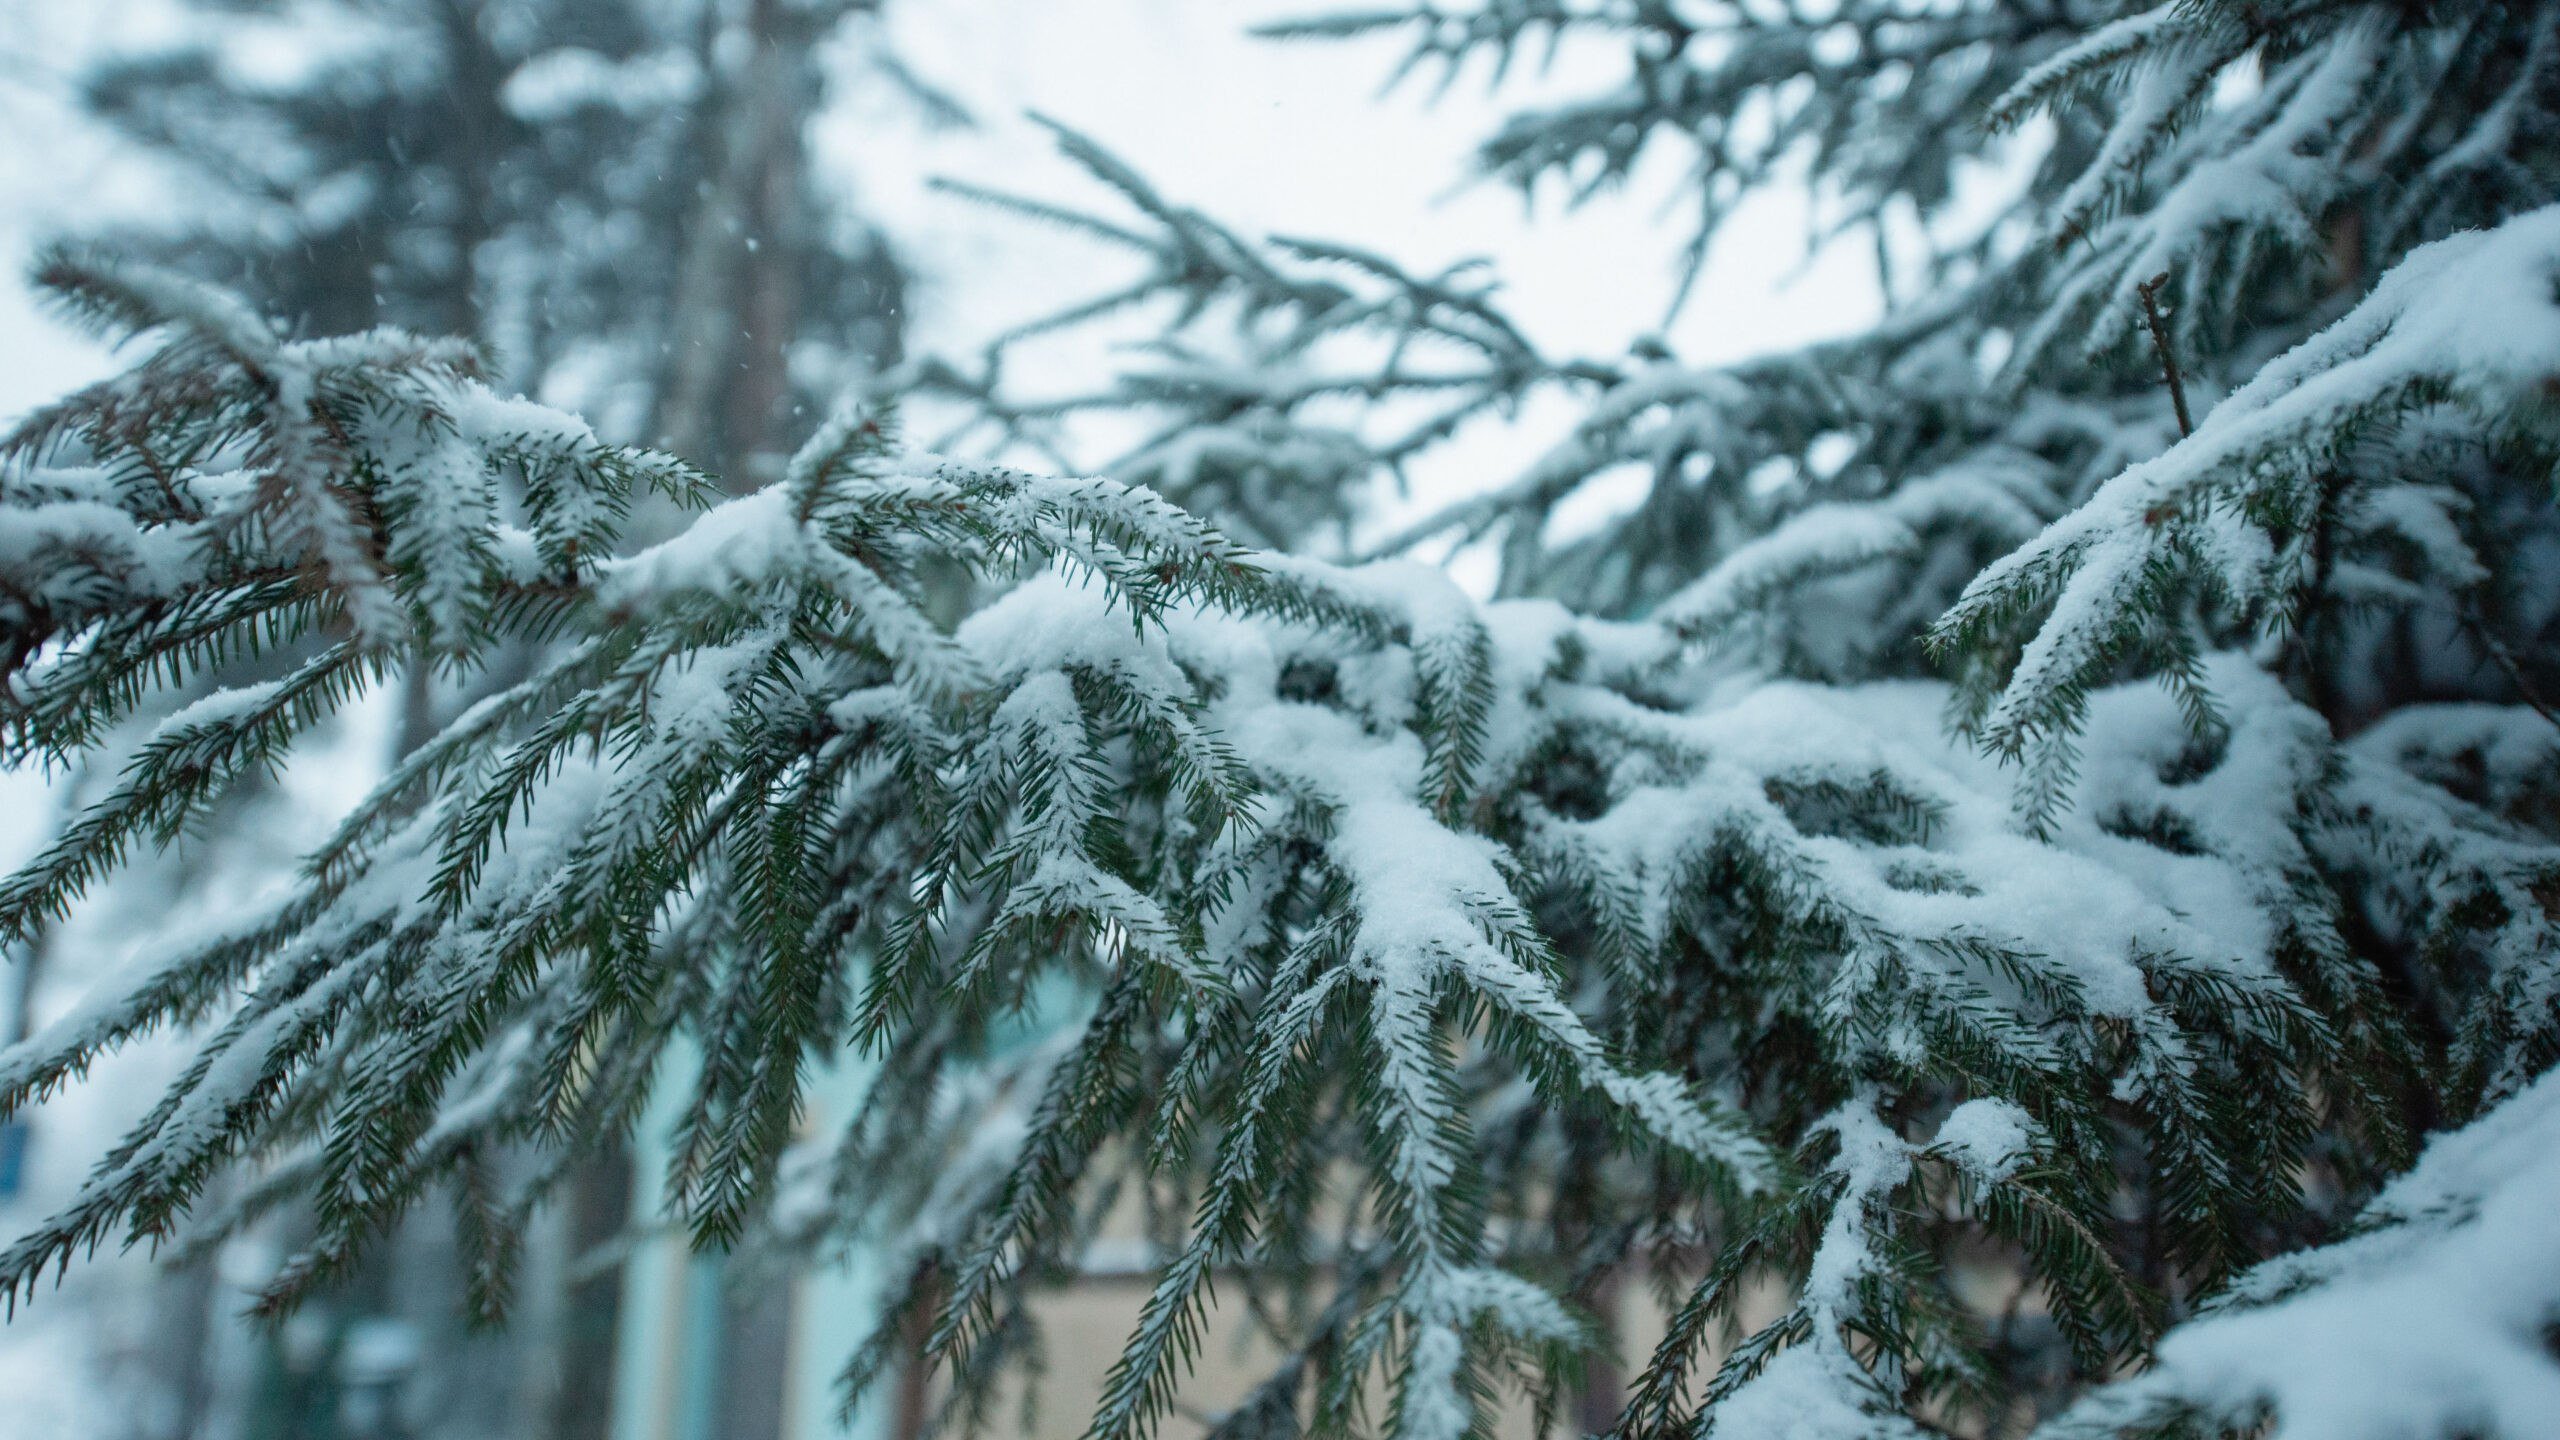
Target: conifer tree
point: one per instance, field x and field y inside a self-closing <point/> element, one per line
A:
<point x="2018" y="884"/>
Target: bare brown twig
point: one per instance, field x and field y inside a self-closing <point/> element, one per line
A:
<point x="2149" y="290"/>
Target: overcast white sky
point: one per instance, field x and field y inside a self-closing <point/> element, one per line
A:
<point x="1295" y="137"/>
<point x="1263" y="135"/>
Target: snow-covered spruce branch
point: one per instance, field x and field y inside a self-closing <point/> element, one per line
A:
<point x="2242" y="511"/>
<point x="2237" y="173"/>
<point x="1286" y="369"/>
<point x="1420" y="970"/>
<point x="1266" y="340"/>
<point x="1334" y="873"/>
<point x="2448" y="1274"/>
<point x="1882" y="76"/>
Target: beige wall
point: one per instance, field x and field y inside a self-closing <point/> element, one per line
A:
<point x="1085" y="1326"/>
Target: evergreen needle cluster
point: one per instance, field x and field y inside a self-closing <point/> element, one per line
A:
<point x="2019" y="886"/>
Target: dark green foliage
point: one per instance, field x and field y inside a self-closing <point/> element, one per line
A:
<point x="1419" y="967"/>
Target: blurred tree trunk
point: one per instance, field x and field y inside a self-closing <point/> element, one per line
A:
<point x="599" y="1207"/>
<point x="737" y="291"/>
